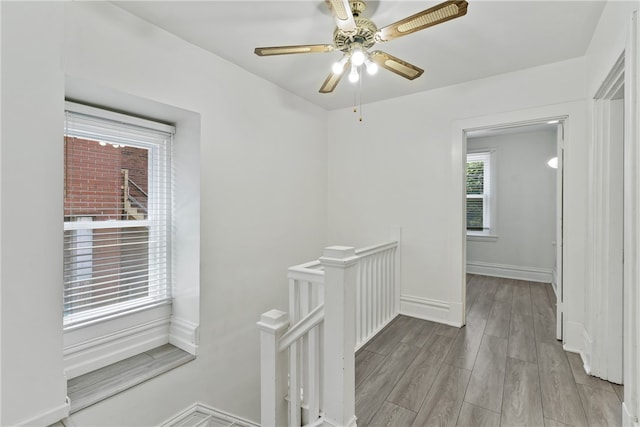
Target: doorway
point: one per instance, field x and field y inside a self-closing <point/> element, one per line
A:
<point x="514" y="226"/>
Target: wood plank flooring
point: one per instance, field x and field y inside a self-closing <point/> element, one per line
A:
<point x="504" y="368"/>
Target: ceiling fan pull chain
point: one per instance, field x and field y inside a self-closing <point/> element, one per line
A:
<point x="360" y="96"/>
<point x="355" y="99"/>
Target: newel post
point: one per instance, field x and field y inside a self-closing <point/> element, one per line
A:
<point x="340" y="274"/>
<point x="273" y="369"/>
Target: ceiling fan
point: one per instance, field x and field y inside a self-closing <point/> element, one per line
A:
<point x="354" y="35"/>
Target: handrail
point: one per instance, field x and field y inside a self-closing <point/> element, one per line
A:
<point x="311" y="265"/>
<point x="374" y="249"/>
<point x="297" y="331"/>
<point x="136" y="202"/>
<point x="312" y="272"/>
<point x="138" y="187"/>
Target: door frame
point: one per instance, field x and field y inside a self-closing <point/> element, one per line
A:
<point x="631" y="322"/>
<point x="606" y="231"/>
<point x="573" y="116"/>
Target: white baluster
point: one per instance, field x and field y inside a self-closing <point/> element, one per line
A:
<point x="359" y="304"/>
<point x="385" y="286"/>
<point x="303" y="347"/>
<point x="388" y="284"/>
<point x="370" y="295"/>
<point x="295" y="412"/>
<point x="396" y="235"/>
<point x="311" y="388"/>
<point x="374" y="295"/>
<point x="293" y="301"/>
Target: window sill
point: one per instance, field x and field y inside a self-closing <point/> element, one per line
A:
<point x="481" y="237"/>
<point x="93" y="387"/>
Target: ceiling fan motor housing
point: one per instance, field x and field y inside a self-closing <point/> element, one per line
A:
<point x="364" y="36"/>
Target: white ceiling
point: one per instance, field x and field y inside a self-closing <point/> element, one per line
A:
<point x="494" y="37"/>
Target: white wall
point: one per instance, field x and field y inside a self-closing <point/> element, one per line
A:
<point x="263" y="202"/>
<point x="399" y="166"/>
<point x="32" y="117"/>
<point x="525" y="199"/>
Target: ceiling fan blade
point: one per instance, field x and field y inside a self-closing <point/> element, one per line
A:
<point x="341" y="12"/>
<point x="396" y="65"/>
<point x="330" y="83"/>
<point x="427" y="18"/>
<point x="289" y="50"/>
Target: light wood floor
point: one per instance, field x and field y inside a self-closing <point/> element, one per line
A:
<point x="505" y="367"/>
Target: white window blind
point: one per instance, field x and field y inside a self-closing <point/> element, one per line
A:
<point x="117" y="214"/>
<point x="478" y="185"/>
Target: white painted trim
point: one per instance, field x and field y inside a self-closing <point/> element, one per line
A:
<point x="587" y="351"/>
<point x="632" y="227"/>
<point x="481" y="238"/>
<point x="433" y="310"/>
<point x="628" y="420"/>
<point x="199" y="414"/>
<point x="577" y="340"/>
<point x="332" y="423"/>
<point x="532" y="274"/>
<point x="119" y="117"/>
<point x="184" y="334"/>
<point x="604" y="212"/>
<point x="566" y="112"/>
<point x="94" y="354"/>
<point x="48" y="417"/>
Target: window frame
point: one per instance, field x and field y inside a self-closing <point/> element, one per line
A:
<point x="96" y="342"/>
<point x="489" y="194"/>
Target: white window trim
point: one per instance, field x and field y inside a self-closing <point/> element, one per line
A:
<point x="490" y="208"/>
<point x="97" y="344"/>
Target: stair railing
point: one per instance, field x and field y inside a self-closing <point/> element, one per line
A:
<point x="336" y="304"/>
<point x="132" y="206"/>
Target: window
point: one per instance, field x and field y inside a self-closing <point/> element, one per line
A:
<point x="479" y="193"/>
<point x="117" y="215"/>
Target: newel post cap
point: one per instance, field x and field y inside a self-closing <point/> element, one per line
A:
<point x="273" y="320"/>
<point x="339" y="256"/>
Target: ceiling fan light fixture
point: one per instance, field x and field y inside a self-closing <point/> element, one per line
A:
<point x="338" y="67"/>
<point x="372" y="67"/>
<point x="354" y="35"/>
<point x="353" y="75"/>
<point x="357" y="56"/>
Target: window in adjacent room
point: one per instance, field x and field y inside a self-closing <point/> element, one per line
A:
<point x="480" y="197"/>
<point x="117" y="216"/>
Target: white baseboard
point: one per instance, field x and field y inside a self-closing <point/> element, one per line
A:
<point x="48" y="417"/>
<point x="201" y="415"/>
<point x="628" y="420"/>
<point x="184" y="335"/>
<point x="532" y="274"/>
<point x="587" y="348"/>
<point x="576" y="339"/>
<point x="433" y="310"/>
